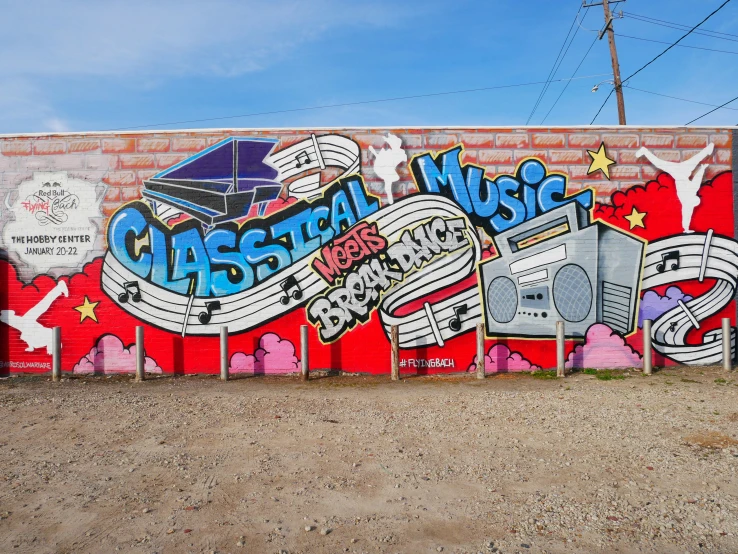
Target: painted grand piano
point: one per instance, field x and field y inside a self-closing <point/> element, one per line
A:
<point x="218" y="184"/>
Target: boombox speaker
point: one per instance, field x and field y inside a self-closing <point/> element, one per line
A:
<point x="559" y="266"/>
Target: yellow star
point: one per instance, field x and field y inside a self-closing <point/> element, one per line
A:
<point x="636" y="218"/>
<point x="87" y="310"/>
<point x="600" y="161"/>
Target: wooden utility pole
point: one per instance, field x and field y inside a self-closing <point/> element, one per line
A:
<point x="613" y="54"/>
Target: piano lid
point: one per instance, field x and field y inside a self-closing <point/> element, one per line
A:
<point x="239" y="160"/>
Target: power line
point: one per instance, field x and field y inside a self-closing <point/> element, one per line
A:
<point x="637" y="71"/>
<point x="678" y="98"/>
<point x="665" y="42"/>
<point x="571" y="78"/>
<point x="554" y="67"/>
<point x="344" y="104"/>
<point x="679" y="45"/>
<point x="712" y="110"/>
<point x="681" y="27"/>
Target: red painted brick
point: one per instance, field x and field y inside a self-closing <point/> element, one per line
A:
<point x="411" y="142"/>
<point x="120" y="178"/>
<point x="47" y="147"/>
<point x="723" y="156"/>
<point x="686" y="154"/>
<point x="629" y="157"/>
<point x="604" y="194"/>
<point x="168" y="160"/>
<point x="579" y="172"/>
<point x="494" y="157"/>
<point x="549" y="140"/>
<point x="618" y="172"/>
<point x="469" y="157"/>
<point x="153" y="145"/>
<point x="137" y="161"/>
<point x="16" y="148"/>
<point x="691" y="141"/>
<point x="112" y="195"/>
<point x="658" y="141"/>
<point x="331" y="174"/>
<point x="215" y="140"/>
<point x="478" y="140"/>
<point x="620" y="141"/>
<point x="404" y="172"/>
<point x="188" y="144"/>
<point x="441" y="142"/>
<point x="288" y="140"/>
<point x="142" y="174"/>
<point x="365" y="141"/>
<point x="566" y="157"/>
<point x="723" y="140"/>
<point x="716" y="169"/>
<point x="109" y="208"/>
<point x="84" y="145"/>
<point x="582" y="140"/>
<point x="512" y="140"/>
<point x="502" y="170"/>
<point x="649" y="172"/>
<point x="538" y="154"/>
<point x="128" y="194"/>
<point x="118" y="145"/>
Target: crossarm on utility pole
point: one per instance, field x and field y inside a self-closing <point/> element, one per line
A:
<point x="613" y="54"/>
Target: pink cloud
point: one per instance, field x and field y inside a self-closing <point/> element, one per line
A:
<point x="603" y="348"/>
<point x="110" y="356"/>
<point x="274" y="355"/>
<point x="499" y="359"/>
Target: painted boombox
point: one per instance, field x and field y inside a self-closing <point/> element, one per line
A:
<point x="559" y="266"/>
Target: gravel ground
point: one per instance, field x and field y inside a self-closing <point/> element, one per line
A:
<point x="361" y="464"/>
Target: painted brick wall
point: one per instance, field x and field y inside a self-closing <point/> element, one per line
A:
<point x="71" y="186"/>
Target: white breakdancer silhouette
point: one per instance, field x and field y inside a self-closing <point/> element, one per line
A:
<point x="686" y="188"/>
<point x="386" y="160"/>
<point x="32" y="332"/>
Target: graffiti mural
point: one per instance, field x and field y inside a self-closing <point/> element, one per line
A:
<point x="352" y="232"/>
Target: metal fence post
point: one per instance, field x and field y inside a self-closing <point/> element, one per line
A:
<point x="480" y="350"/>
<point x="140" y="356"/>
<point x="647" y="359"/>
<point x="395" y="339"/>
<point x="727" y="350"/>
<point x="304" y="358"/>
<point x="560" y="360"/>
<point x="224" y="353"/>
<point x="56" y="354"/>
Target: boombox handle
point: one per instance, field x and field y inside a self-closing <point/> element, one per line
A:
<point x="572" y="214"/>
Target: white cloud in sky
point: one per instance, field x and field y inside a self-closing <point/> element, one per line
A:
<point x="164" y="38"/>
<point x="148" y="42"/>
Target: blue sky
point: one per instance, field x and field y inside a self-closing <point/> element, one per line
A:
<point x="82" y="66"/>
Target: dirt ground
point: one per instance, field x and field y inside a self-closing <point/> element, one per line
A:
<point x="362" y="464"/>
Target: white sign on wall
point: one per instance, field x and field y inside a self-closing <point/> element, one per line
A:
<point x="52" y="226"/>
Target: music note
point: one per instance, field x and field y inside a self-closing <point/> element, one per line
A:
<point x="673" y="257"/>
<point x="305" y="161"/>
<point x="455" y="322"/>
<point x="291" y="287"/>
<point x="204" y="317"/>
<point x="126" y="294"/>
<point x="672" y="326"/>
